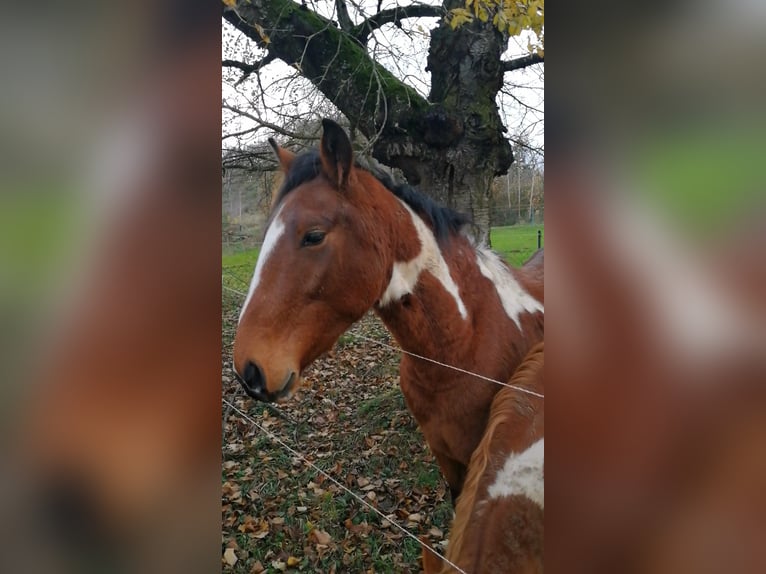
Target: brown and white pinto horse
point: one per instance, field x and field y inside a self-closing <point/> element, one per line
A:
<point x="498" y="524"/>
<point x="341" y="241"/>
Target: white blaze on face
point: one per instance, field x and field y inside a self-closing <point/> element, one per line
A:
<point x="405" y="275"/>
<point x="274" y="232"/>
<point x="522" y="475"/>
<point x="512" y="295"/>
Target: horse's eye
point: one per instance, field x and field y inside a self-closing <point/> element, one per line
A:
<point x="313" y="237"/>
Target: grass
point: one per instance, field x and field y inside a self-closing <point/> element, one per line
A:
<point x="381" y="403"/>
<point x="516" y="243"/>
<point x="243" y="257"/>
<point x="238" y="266"/>
<point x="428" y="477"/>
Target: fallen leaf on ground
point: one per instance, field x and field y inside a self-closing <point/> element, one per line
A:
<point x="320" y="536"/>
<point x="230" y="556"/>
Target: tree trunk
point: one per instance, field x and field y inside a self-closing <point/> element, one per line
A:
<point x="458" y="145"/>
<point x="452" y="145"/>
<point x="463" y="191"/>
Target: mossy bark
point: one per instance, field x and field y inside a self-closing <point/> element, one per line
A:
<point x="337" y="64"/>
<point x="450" y="145"/>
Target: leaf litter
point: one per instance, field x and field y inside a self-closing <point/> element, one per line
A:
<point x="349" y="418"/>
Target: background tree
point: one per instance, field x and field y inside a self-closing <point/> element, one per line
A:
<point x="518" y="197"/>
<point x="451" y="142"/>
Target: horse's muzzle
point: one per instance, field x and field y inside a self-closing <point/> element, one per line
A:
<point x="254" y="383"/>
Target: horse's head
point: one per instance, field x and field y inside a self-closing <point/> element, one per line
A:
<point x="321" y="267"/>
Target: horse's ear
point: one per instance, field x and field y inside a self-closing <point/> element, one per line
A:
<point x="285" y="156"/>
<point x="336" y="153"/>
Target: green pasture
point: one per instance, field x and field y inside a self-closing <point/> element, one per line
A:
<point x="516" y="243"/>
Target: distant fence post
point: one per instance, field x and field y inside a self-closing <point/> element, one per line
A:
<point x="539" y="238"/>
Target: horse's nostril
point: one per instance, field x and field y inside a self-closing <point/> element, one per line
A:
<point x="253" y="378"/>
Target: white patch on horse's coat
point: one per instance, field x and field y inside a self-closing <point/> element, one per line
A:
<point x="405" y="275"/>
<point x="275" y="231"/>
<point x="523" y="475"/>
<point x="512" y="295"/>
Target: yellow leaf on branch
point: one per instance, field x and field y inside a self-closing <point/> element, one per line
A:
<point x="262" y="34"/>
<point x="511" y="17"/>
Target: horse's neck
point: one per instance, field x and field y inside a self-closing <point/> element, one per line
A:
<point x="422" y="302"/>
<point x="440" y="301"/>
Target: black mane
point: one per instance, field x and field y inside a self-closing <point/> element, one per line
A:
<point x="444" y="221"/>
<point x="304" y="168"/>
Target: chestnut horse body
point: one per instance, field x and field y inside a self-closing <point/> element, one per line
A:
<point x="498" y="524"/>
<point x="341" y="241"/>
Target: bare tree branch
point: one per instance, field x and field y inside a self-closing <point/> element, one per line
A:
<point x="394" y="16"/>
<point x="368" y="94"/>
<point x="252" y="159"/>
<point x="264" y="123"/>
<point x="522" y="143"/>
<point x="246" y="68"/>
<point x="343" y="18"/>
<point x="241" y="133"/>
<point x="523" y="62"/>
<point x="521" y="102"/>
